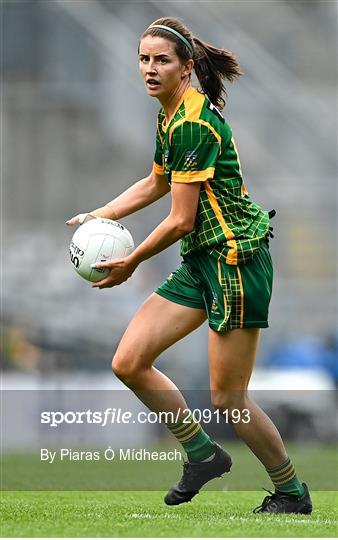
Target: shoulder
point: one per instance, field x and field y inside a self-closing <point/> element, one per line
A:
<point x="194" y="133"/>
<point x="212" y="117"/>
<point x="202" y="119"/>
<point x="201" y="131"/>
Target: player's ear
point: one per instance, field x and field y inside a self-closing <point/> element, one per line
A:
<point x="187" y="68"/>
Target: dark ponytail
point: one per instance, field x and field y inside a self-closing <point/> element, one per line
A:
<point x="211" y="65"/>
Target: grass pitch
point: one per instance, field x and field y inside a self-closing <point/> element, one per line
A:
<point x="143" y="514"/>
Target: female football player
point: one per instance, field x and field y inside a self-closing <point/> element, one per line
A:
<point x="226" y="270"/>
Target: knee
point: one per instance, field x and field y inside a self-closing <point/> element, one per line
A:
<point x="128" y="366"/>
<point x="228" y="400"/>
<point x="123" y="368"/>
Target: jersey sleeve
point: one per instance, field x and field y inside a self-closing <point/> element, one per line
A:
<point x="194" y="150"/>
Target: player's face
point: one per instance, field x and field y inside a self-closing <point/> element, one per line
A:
<point x="161" y="68"/>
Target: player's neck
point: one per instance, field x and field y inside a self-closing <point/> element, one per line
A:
<point x="171" y="102"/>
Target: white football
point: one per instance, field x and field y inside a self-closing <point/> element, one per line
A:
<point x="96" y="241"/>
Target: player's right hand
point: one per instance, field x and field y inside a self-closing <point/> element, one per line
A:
<point x="80" y="219"/>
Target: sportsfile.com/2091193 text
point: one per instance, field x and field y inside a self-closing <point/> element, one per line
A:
<point x="116" y="415"/>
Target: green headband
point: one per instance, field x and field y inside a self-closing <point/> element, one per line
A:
<point x="182" y="38"/>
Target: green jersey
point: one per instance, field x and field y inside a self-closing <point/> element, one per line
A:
<point x="197" y="145"/>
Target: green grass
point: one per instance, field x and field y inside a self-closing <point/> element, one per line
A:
<point x="143" y="514"/>
<point x="114" y="507"/>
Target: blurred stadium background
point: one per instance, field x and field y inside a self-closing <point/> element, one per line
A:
<point x="78" y="128"/>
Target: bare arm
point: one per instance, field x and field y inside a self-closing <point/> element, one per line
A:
<point x="180" y="221"/>
<point x="139" y="195"/>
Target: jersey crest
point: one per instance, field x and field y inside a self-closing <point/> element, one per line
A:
<point x="190" y="161"/>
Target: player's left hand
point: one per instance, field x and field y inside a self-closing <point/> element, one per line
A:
<point x="120" y="271"/>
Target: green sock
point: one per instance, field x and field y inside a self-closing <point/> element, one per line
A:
<point x="285" y="479"/>
<point x="195" y="441"/>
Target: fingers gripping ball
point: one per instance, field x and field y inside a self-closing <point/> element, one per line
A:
<point x="99" y="240"/>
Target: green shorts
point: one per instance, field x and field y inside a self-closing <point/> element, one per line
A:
<point x="233" y="296"/>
